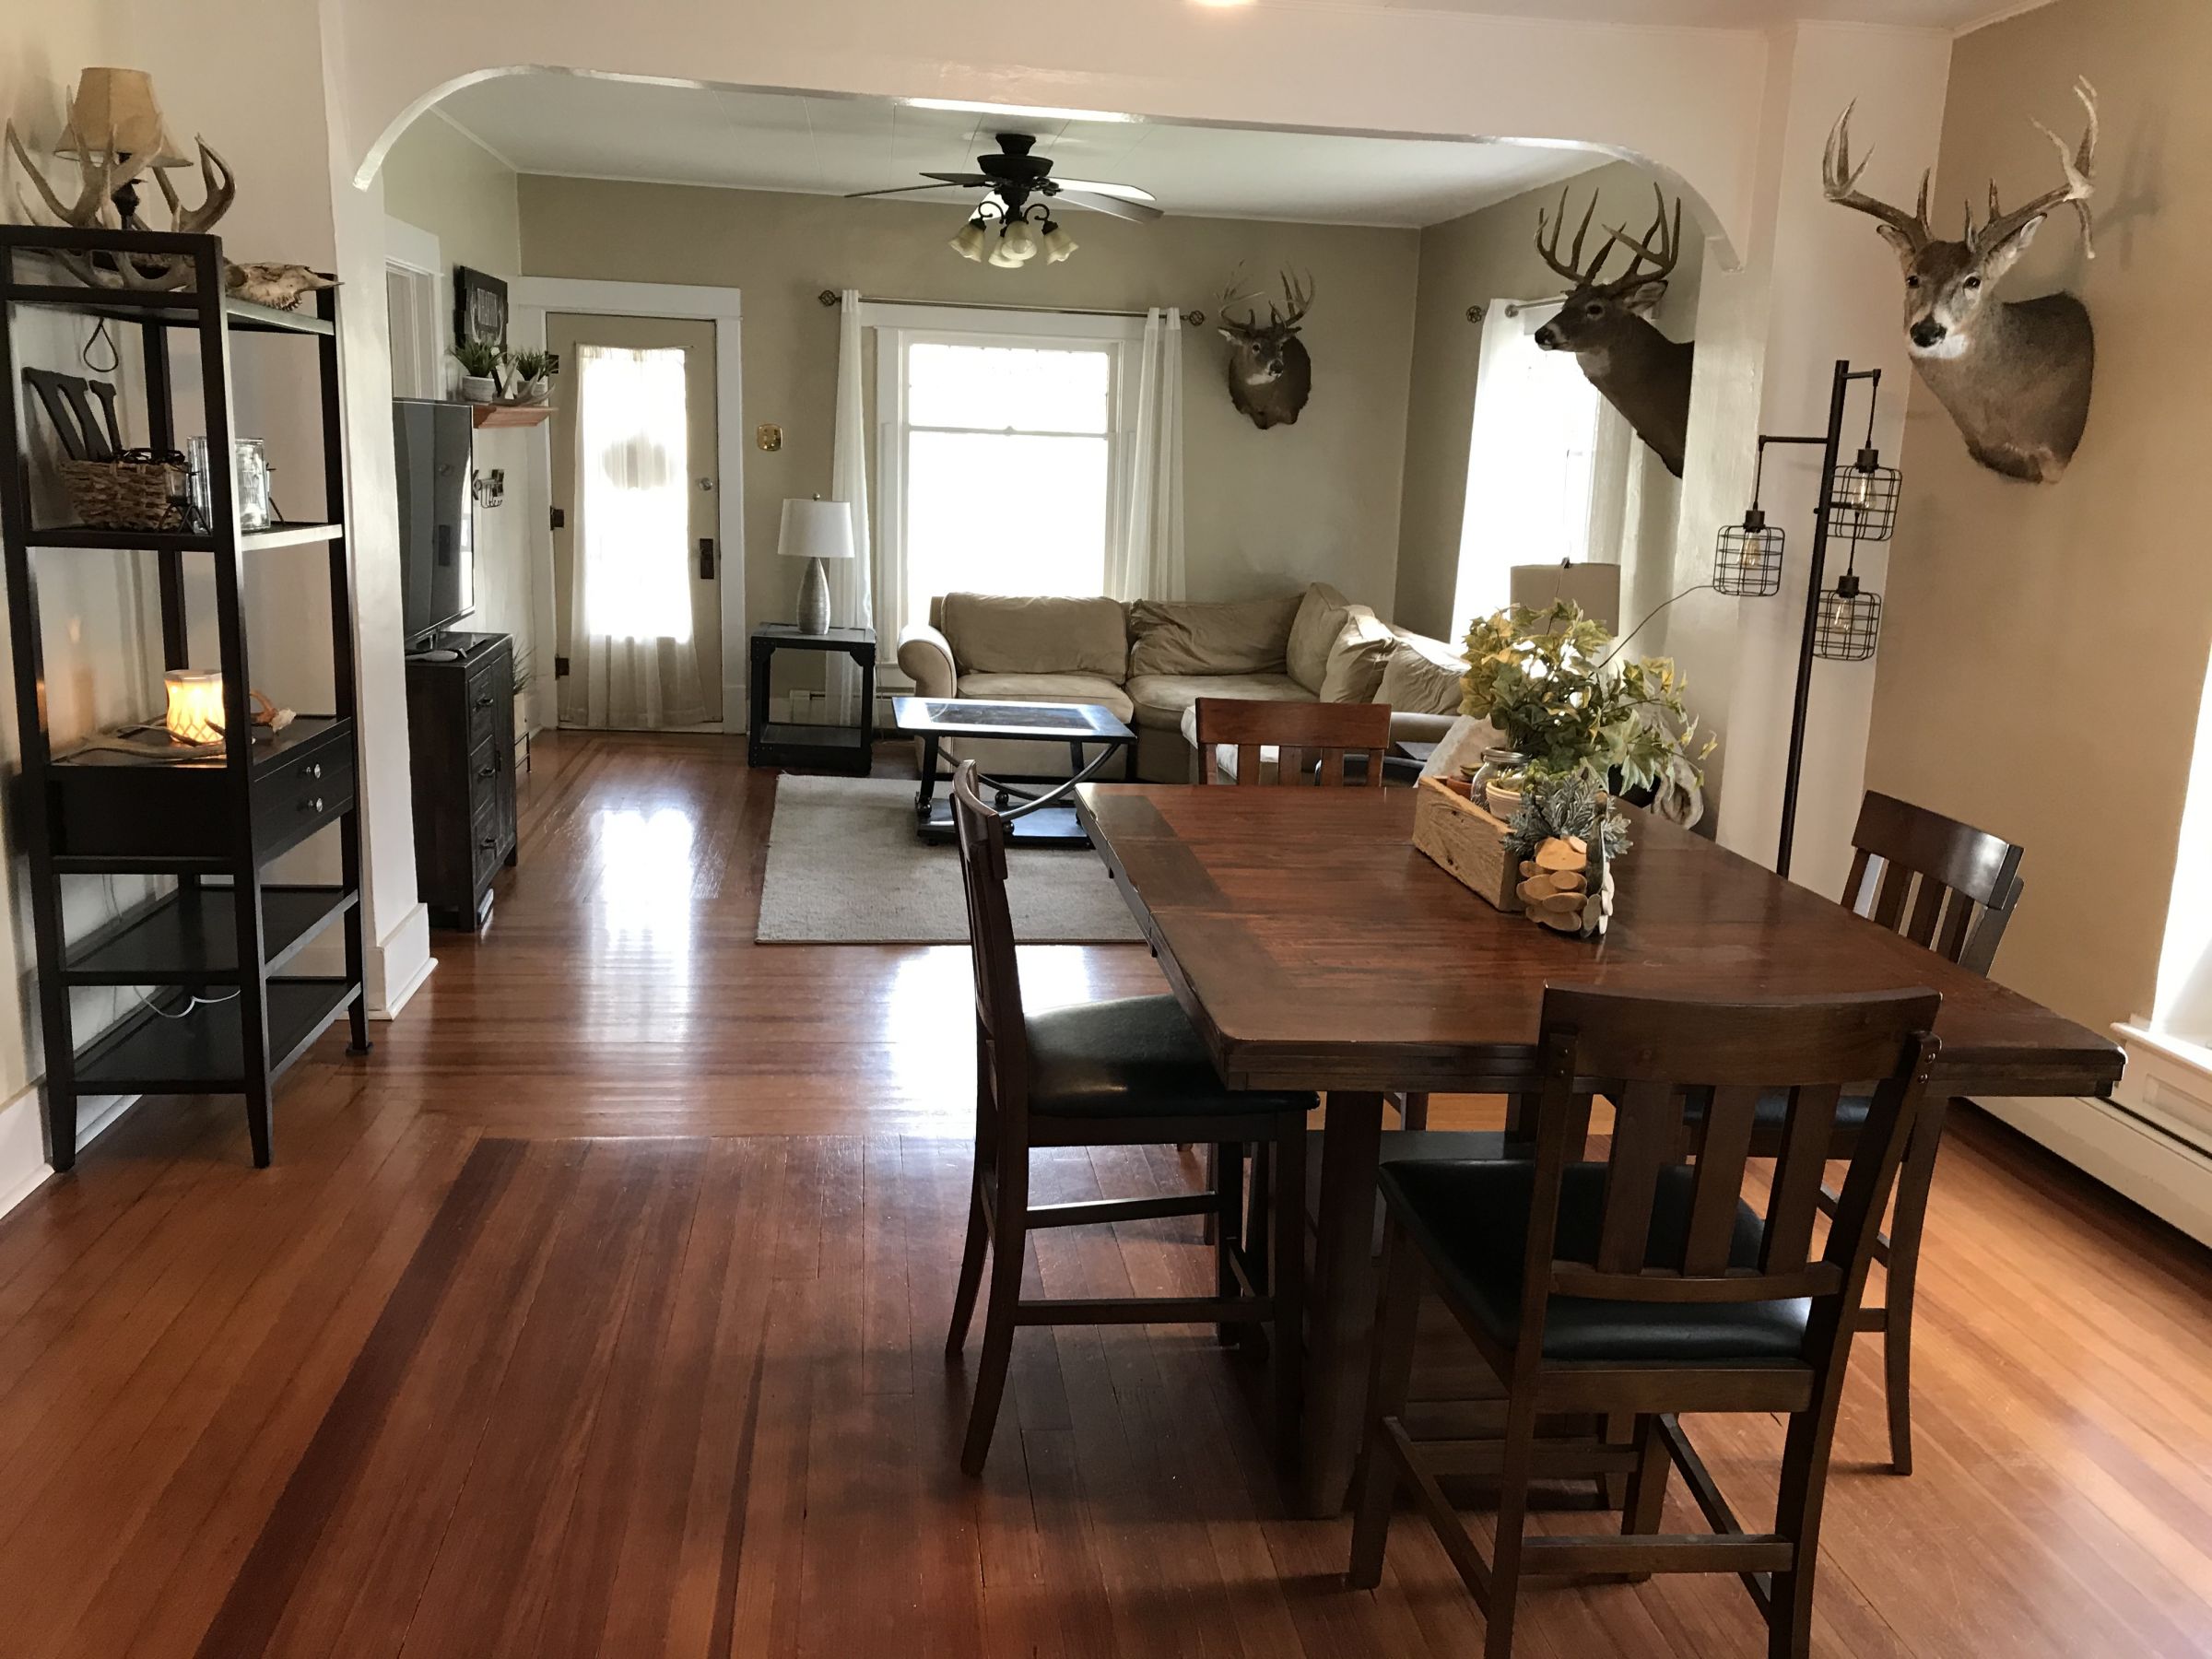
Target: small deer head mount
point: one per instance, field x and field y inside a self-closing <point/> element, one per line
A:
<point x="2013" y="374"/>
<point x="1607" y="325"/>
<point x="100" y="178"/>
<point x="1270" y="376"/>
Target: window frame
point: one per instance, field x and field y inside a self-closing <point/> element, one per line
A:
<point x="897" y="327"/>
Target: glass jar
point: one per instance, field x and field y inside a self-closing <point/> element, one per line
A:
<point x="250" y="484"/>
<point x="1494" y="762"/>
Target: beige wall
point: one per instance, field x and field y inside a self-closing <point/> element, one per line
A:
<point x="1264" y="510"/>
<point x="439" y="180"/>
<point x="2046" y="650"/>
<point x="1469" y="261"/>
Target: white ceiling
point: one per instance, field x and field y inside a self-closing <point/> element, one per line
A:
<point x="1739" y="14"/>
<point x="594" y="127"/>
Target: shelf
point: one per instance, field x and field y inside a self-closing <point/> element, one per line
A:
<point x="189" y="937"/>
<point x="508" y="415"/>
<point x="168" y="309"/>
<point x="267" y="751"/>
<point x="181" y="541"/>
<point x="783" y="734"/>
<point x="201" y="1052"/>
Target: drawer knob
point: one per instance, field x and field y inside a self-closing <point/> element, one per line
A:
<point x="489" y="841"/>
<point x="485" y="772"/>
<point x="313" y="804"/>
<point x="484" y="701"/>
<point x="315" y="770"/>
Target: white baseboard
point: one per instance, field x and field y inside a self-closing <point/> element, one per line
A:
<point x="2131" y="1154"/>
<point x="398" y="963"/>
<point x="23" y="1166"/>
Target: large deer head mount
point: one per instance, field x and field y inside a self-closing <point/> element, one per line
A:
<point x="100" y="177"/>
<point x="2013" y="374"/>
<point x="1608" y="325"/>
<point x="1270" y="376"/>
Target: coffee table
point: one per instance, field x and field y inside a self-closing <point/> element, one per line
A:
<point x="1035" y="816"/>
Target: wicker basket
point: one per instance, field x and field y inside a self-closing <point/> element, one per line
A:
<point x="137" y="491"/>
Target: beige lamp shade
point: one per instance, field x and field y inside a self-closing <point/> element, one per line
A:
<point x="195" y="705"/>
<point x="815" y="529"/>
<point x="1595" y="588"/>
<point x="114" y="112"/>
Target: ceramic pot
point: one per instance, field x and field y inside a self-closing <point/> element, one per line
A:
<point x="479" y="388"/>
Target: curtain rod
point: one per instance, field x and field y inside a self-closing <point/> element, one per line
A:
<point x="830" y="299"/>
<point x="1515" y="307"/>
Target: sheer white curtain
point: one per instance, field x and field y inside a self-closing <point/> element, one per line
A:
<point x="632" y="663"/>
<point x="1144" y="548"/>
<point x="1533" y="455"/>
<point x="852" y="585"/>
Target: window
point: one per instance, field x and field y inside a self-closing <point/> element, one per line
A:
<point x="1531" y="462"/>
<point x="411" y="266"/>
<point x="633" y="509"/>
<point x="998" y="455"/>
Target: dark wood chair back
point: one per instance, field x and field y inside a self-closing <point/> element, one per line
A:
<point x="1941" y="883"/>
<point x="1300" y="734"/>
<point x="1001" y="1039"/>
<point x="1649" y="1056"/>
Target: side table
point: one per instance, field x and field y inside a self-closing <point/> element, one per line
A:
<point x="831" y="748"/>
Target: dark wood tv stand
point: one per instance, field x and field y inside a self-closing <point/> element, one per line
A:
<point x="460" y="744"/>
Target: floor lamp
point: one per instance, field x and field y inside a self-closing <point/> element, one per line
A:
<point x="1857" y="504"/>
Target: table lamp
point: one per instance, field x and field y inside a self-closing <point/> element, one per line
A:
<point x="114" y="112"/>
<point x="195" y="705"/>
<point x="814" y="530"/>
<point x="1595" y="588"/>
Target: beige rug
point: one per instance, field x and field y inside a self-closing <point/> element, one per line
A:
<point x="844" y="867"/>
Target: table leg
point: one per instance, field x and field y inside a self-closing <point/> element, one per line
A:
<point x="928" y="793"/>
<point x="1341" y="1298"/>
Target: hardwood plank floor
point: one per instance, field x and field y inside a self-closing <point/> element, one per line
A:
<point x="599" y="1311"/>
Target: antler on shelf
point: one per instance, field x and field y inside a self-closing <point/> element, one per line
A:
<point x="101" y="175"/>
<point x="1840" y="182"/>
<point x="2079" y="165"/>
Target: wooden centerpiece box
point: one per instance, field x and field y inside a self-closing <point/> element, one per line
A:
<point x="1467" y="840"/>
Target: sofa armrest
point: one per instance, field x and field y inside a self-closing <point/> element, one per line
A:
<point x="926" y="657"/>
<point x="1408" y="727"/>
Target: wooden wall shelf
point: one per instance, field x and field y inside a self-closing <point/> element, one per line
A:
<point x="510" y="415"/>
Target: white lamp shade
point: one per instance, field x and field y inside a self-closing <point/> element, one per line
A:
<point x="195" y="705"/>
<point x="1058" y="245"/>
<point x="816" y="530"/>
<point x="1021" y="241"/>
<point x="1595" y="588"/>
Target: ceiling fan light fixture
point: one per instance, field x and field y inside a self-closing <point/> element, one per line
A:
<point x="1002" y="255"/>
<point x="1021" y="241"/>
<point x="1058" y="243"/>
<point x="969" y="243"/>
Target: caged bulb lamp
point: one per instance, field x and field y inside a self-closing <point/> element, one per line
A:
<point x="195" y="705"/>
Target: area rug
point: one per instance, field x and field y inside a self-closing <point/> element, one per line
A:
<point x="844" y="867"/>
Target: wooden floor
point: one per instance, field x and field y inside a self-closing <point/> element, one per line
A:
<point x="599" y="1311"/>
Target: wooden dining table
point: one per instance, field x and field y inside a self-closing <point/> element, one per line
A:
<point x="1314" y="948"/>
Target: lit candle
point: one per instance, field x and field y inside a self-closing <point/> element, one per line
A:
<point x="195" y="705"/>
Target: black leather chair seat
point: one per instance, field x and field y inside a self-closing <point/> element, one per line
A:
<point x="1772" y="1115"/>
<point x="1136" y="1057"/>
<point x="1471" y="1219"/>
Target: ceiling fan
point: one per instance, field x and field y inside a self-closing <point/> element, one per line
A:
<point x="1021" y="188"/>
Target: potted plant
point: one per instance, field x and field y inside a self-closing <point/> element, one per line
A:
<point x="479" y="361"/>
<point x="1562" y="692"/>
<point x="530" y="376"/>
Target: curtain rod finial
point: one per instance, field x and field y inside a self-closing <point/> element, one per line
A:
<point x="828" y="297"/>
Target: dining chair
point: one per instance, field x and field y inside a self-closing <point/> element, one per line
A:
<point x="1312" y="741"/>
<point x="1128" y="1072"/>
<point x="1953" y="888"/>
<point x="1645" y="1284"/>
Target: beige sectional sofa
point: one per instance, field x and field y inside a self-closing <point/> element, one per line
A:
<point x="1151" y="661"/>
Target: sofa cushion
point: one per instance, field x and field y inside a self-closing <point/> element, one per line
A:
<point x="1321" y="616"/>
<point x="992" y="633"/>
<point x="1421" y="677"/>
<point x="1161" y="699"/>
<point x="1049" y="688"/>
<point x="1362" y="648"/>
<point x="1248" y="637"/>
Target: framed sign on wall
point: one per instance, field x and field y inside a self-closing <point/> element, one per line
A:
<point x="479" y="307"/>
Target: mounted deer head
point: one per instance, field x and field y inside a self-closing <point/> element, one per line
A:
<point x="1607" y="325"/>
<point x="1270" y="376"/>
<point x="2014" y="374"/>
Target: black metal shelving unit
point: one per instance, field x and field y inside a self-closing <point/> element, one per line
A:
<point x="220" y="1016"/>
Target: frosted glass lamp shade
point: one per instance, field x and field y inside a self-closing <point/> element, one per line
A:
<point x="195" y="705"/>
<point x="114" y="112"/>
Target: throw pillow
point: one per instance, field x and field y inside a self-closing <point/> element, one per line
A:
<point x="1362" y="650"/>
<point x="1414" y="682"/>
<point x="1247" y="637"/>
<point x="1321" y="614"/>
<point x="995" y="633"/>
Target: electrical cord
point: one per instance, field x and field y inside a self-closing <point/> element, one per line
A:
<point x="193" y="1000"/>
<point x="1621" y="644"/>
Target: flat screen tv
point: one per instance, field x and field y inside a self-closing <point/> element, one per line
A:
<point x="432" y="443"/>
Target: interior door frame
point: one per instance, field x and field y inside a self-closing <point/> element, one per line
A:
<point x="528" y="301"/>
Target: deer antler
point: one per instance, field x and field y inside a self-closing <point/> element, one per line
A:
<point x="1234" y="292"/>
<point x="1571" y="269"/>
<point x="102" y="175"/>
<point x="215" y="200"/>
<point x="1669" y="249"/>
<point x="1298" y="294"/>
<point x="2079" y="165"/>
<point x="1840" y="181"/>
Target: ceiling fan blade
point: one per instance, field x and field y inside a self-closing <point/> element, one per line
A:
<point x="967" y="178"/>
<point x="1140" y="213"/>
<point x="855" y="195"/>
<point x="1127" y="193"/>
